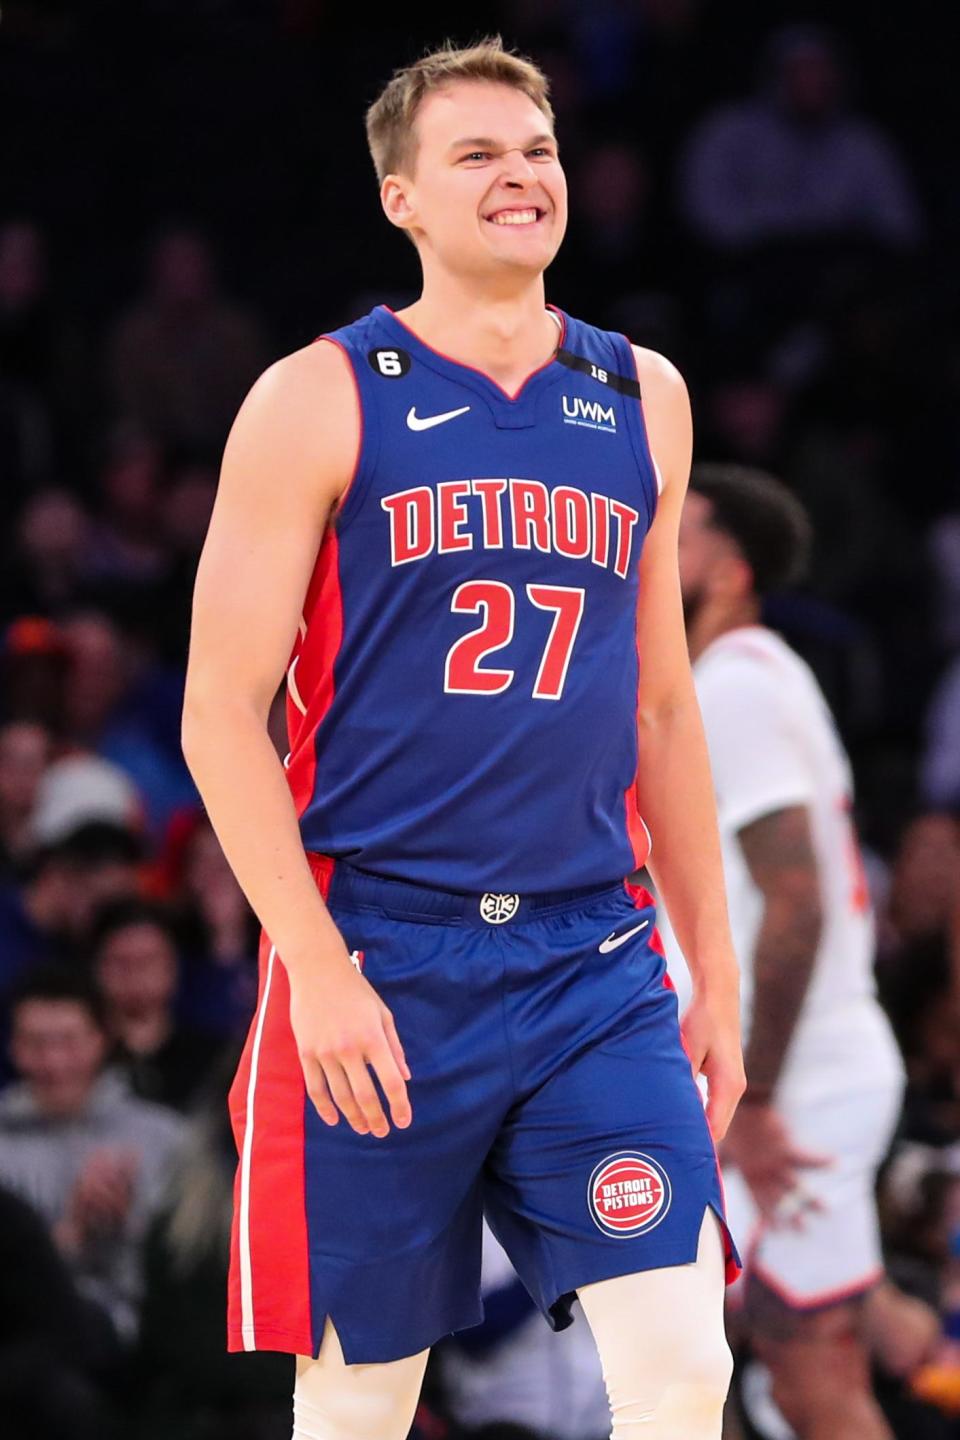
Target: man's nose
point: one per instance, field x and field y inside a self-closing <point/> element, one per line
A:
<point x="520" y="171"/>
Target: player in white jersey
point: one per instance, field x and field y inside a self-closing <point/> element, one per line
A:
<point x="824" y="1075"/>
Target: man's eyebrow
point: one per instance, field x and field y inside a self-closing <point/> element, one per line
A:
<point x="476" y="142"/>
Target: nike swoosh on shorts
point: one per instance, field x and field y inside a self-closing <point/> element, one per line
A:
<point x="613" y="942"/>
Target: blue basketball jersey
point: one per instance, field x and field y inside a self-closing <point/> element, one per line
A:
<point x="462" y="692"/>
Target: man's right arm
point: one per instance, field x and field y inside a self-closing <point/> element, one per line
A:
<point x="288" y="460"/>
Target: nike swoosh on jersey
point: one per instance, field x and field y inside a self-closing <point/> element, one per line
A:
<point x="427" y="422"/>
<point x="613" y="942"/>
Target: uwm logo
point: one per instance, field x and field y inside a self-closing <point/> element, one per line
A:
<point x="577" y="411"/>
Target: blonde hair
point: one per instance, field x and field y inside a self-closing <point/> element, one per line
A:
<point x="390" y="119"/>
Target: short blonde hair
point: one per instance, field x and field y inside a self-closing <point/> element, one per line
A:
<point x="390" y="119"/>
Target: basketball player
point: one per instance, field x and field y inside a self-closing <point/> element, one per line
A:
<point x="445" y="525"/>
<point x="824" y="1075"/>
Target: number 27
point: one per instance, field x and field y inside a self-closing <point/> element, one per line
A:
<point x="462" y="672"/>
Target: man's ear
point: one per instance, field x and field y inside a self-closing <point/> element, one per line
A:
<point x="395" y="200"/>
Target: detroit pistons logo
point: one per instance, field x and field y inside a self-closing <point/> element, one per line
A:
<point x="628" y="1194"/>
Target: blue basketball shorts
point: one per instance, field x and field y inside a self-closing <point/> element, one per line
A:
<point x="550" y="1091"/>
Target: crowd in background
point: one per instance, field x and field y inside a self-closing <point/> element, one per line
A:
<point x="756" y="200"/>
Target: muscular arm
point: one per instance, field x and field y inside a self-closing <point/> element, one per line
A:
<point x="674" y="785"/>
<point x="289" y="455"/>
<point x="287" y="463"/>
<point x="778" y="850"/>
<point x="675" y="789"/>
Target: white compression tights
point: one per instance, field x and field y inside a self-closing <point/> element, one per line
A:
<point x="660" y="1335"/>
<point x="336" y="1401"/>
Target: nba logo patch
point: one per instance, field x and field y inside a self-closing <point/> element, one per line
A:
<point x="628" y="1194"/>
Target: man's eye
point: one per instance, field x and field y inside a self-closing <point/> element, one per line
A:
<point x="478" y="155"/>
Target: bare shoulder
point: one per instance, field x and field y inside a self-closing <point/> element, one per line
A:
<point x="658" y="376"/>
<point x="301" y="416"/>
<point x="289" y="457"/>
<point x="666" y="409"/>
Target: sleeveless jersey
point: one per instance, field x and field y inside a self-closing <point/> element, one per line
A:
<point x="462" y="692"/>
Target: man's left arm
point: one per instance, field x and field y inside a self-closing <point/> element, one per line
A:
<point x="674" y="785"/>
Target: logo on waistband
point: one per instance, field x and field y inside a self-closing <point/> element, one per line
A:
<point x="356" y="960"/>
<point x="628" y="1194"/>
<point x="496" y="909"/>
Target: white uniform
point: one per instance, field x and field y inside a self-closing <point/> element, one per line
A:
<point x="773" y="744"/>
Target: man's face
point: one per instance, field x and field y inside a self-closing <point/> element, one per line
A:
<point x="484" y="150"/>
<point x="699" y="551"/>
<point x="58" y="1048"/>
<point x="137" y="969"/>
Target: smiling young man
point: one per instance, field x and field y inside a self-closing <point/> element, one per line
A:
<point x="454" y="528"/>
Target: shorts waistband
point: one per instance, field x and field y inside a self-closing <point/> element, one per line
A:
<point x="351" y="887"/>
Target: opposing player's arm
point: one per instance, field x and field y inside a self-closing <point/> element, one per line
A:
<point x="779" y="852"/>
<point x="675" y="790"/>
<point x="289" y="459"/>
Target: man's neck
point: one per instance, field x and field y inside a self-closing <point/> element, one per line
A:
<point x="507" y="334"/>
<point x="711" y="622"/>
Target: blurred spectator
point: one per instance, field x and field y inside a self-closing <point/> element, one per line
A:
<point x="745" y="417"/>
<point x="33" y="672"/>
<point x="126" y="542"/>
<point x="940" y="761"/>
<point x="79" y="788"/>
<point x="44" y="570"/>
<point x="944" y="544"/>
<point x="137" y="967"/>
<point x="611" y="248"/>
<point x="38" y="366"/>
<point x="57" y="1351"/>
<point x="86" y="1154"/>
<point x="925" y="881"/>
<point x="185" y="518"/>
<point x="112" y="705"/>
<point x="48" y="914"/>
<point x="795" y="161"/>
<point x="918" y="993"/>
<point x="25" y="749"/>
<point x="220" y="934"/>
<point x="193" y="1388"/>
<point x="181" y="359"/>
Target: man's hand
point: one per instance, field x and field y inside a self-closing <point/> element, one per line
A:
<point x="710" y="1029"/>
<point x="101" y="1196"/>
<point x="759" y="1145"/>
<point x="341" y="1026"/>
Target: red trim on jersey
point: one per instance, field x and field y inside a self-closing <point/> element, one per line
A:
<point x="278" y="1312"/>
<point x="353" y="376"/>
<point x="637" y="832"/>
<point x="475" y="368"/>
<point x="314" y="655"/>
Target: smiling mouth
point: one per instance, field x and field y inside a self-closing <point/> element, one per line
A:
<point x="517" y="219"/>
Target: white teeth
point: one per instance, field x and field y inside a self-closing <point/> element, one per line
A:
<point x="514" y="217"/>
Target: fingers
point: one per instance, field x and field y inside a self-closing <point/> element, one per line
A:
<point x="393" y="1040"/>
<point x="343" y="1096"/>
<point x="722" y="1102"/>
<point x="341" y="1082"/>
<point x="365" y="1096"/>
<point x="317" y="1089"/>
<point x="383" y="1058"/>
